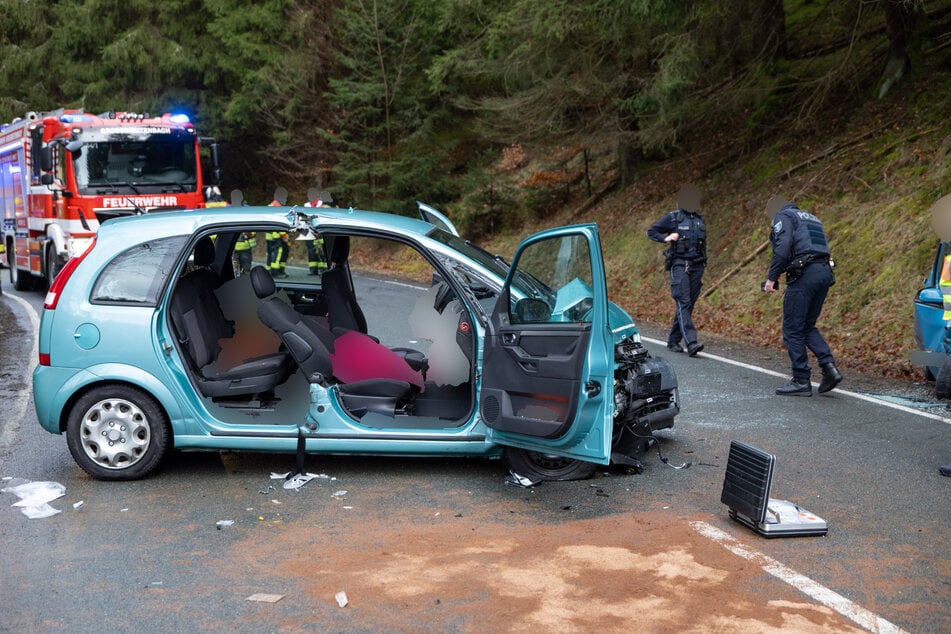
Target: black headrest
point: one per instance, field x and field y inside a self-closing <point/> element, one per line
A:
<point x="340" y="250"/>
<point x="262" y="282"/>
<point x="205" y="252"/>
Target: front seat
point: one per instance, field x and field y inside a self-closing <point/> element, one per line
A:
<point x="343" y="310"/>
<point x="311" y="345"/>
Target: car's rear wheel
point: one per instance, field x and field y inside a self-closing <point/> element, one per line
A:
<point x="541" y="466"/>
<point x="117" y="432"/>
<point x="942" y="382"/>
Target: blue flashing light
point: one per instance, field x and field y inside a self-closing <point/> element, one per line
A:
<point x="179" y="118"/>
<point x="74" y="118"/>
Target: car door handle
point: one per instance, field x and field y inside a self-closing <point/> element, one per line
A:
<point x="509" y="338"/>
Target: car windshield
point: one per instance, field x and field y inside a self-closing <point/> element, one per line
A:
<point x="524" y="284"/>
<point x="108" y="166"/>
<point x="493" y="263"/>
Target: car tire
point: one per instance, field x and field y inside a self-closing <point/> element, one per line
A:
<point x="942" y="383"/>
<point x="538" y="466"/>
<point x="118" y="432"/>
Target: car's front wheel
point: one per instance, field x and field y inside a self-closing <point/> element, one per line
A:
<point x="117" y="432"/>
<point x="541" y="466"/>
<point x="942" y="383"/>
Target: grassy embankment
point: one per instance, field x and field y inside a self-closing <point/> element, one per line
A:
<point x="872" y="183"/>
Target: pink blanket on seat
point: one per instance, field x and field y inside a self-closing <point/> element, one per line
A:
<point x="357" y="357"/>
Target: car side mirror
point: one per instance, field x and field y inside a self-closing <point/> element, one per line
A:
<point x="530" y="310"/>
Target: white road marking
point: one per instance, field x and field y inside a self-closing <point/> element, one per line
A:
<point x="22" y="400"/>
<point x="856" y="395"/>
<point x="395" y="283"/>
<point x="833" y="600"/>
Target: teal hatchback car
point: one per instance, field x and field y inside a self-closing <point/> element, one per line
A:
<point x="401" y="339"/>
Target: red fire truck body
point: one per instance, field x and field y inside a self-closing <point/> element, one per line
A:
<point x="63" y="173"/>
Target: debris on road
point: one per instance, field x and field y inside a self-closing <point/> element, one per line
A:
<point x="520" y="480"/>
<point x="342" y="599"/>
<point x="35" y="496"/>
<point x="263" y="597"/>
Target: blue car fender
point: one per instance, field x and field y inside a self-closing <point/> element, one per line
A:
<point x="60" y="385"/>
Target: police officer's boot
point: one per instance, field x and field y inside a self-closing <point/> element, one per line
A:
<point x="795" y="388"/>
<point x="830" y="377"/>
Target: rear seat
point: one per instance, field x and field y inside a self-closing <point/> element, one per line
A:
<point x="199" y="323"/>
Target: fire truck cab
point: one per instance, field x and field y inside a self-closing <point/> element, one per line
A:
<point x="63" y="173"/>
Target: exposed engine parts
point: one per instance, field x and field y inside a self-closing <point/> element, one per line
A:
<point x="645" y="400"/>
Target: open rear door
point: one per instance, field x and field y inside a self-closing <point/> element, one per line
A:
<point x="548" y="364"/>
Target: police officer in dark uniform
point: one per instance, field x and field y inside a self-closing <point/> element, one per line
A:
<point x="685" y="233"/>
<point x="801" y="250"/>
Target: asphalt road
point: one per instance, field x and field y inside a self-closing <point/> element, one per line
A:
<point x="149" y="556"/>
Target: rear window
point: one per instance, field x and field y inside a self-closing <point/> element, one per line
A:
<point x="137" y="275"/>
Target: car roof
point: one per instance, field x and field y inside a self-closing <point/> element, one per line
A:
<point x="159" y="224"/>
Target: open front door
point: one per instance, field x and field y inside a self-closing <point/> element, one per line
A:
<point x="548" y="364"/>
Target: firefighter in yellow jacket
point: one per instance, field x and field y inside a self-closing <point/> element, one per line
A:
<point x="316" y="260"/>
<point x="242" y="251"/>
<point x="277" y="242"/>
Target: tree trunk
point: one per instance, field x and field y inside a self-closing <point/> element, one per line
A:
<point x="901" y="18"/>
<point x="769" y="29"/>
<point x="628" y="158"/>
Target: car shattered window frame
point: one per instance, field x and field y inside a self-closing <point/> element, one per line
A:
<point x="137" y="275"/>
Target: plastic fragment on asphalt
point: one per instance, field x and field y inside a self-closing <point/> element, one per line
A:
<point x="39" y="512"/>
<point x="78" y="504"/>
<point x="280" y="476"/>
<point x="221" y="523"/>
<point x="264" y="597"/>
<point x="340" y="493"/>
<point x="297" y="481"/>
<point x="342" y="599"/>
<point x="34" y="496"/>
<point x="520" y="480"/>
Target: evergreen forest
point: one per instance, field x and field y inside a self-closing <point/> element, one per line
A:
<point x="516" y="115"/>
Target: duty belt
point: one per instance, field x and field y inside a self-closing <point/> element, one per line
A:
<point x="799" y="263"/>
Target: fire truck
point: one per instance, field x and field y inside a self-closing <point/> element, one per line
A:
<point x="64" y="173"/>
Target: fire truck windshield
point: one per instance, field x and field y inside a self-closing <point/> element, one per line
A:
<point x="159" y="163"/>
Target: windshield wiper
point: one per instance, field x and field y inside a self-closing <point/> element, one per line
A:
<point x="115" y="187"/>
<point x="167" y="184"/>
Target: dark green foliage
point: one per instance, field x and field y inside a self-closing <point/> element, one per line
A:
<point x="388" y="101"/>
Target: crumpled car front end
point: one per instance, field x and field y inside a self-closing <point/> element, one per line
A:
<point x="645" y="400"/>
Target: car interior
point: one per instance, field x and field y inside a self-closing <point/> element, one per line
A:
<point x="399" y="352"/>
